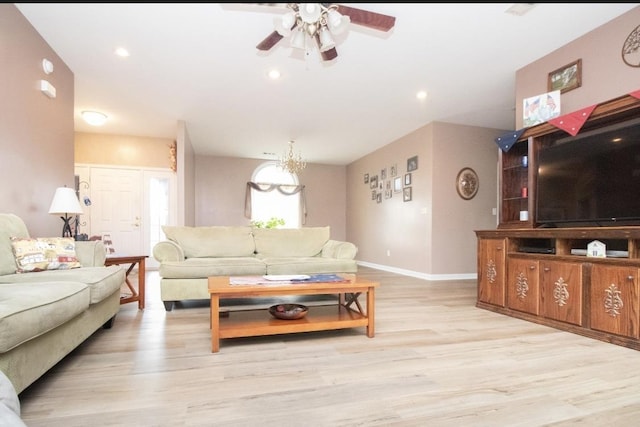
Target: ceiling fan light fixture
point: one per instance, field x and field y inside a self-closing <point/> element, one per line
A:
<point x="298" y="39"/>
<point x="326" y="41"/>
<point x="310" y="12"/>
<point x="283" y="25"/>
<point x="337" y="22"/>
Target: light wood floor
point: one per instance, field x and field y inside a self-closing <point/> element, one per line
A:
<point x="436" y="360"/>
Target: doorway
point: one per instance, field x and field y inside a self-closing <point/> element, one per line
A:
<point x="131" y="205"/>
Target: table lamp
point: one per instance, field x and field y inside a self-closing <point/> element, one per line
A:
<point x="65" y="202"/>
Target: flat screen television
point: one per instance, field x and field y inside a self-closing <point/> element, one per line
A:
<point x="592" y="179"/>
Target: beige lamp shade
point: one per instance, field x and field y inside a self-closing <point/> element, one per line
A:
<point x="65" y="201"/>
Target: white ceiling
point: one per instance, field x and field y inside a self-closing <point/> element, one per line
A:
<point x="198" y="63"/>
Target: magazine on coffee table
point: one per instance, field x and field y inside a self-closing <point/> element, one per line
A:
<point x="282" y="279"/>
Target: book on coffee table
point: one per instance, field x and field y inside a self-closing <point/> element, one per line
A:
<point x="280" y="279"/>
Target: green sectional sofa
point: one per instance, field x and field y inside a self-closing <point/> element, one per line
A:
<point x="190" y="255"/>
<point x="46" y="314"/>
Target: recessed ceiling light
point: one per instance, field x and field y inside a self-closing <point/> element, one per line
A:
<point x="120" y="51"/>
<point x="94" y="118"/>
<point x="421" y="94"/>
<point x="274" y="74"/>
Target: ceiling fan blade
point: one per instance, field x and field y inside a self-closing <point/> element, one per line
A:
<point x="269" y="42"/>
<point x="368" y="19"/>
<point x="330" y="54"/>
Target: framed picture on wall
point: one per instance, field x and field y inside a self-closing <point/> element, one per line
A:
<point x="412" y="163"/>
<point x="366" y="178"/>
<point x="407" y="179"/>
<point x="406" y="194"/>
<point x="566" y="78"/>
<point x="373" y="181"/>
<point x="397" y="184"/>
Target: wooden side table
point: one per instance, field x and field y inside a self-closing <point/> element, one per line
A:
<point x="132" y="260"/>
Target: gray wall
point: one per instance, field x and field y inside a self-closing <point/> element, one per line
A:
<point x="36" y="132"/>
<point x="220" y="191"/>
<point x="604" y="75"/>
<point x="431" y="236"/>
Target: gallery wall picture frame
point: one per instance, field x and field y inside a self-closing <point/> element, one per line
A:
<point x="412" y="163"/>
<point x="397" y="184"/>
<point x="373" y="181"/>
<point x="366" y="178"/>
<point x="373" y="194"/>
<point x="383" y="173"/>
<point x="566" y="78"/>
<point x="394" y="170"/>
<point x="407" y="179"/>
<point x="406" y="194"/>
<point x="379" y="198"/>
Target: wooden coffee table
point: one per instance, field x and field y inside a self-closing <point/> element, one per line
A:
<point x="347" y="313"/>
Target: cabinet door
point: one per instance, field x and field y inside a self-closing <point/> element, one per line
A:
<point x="522" y="285"/>
<point x="561" y="291"/>
<point x="614" y="300"/>
<point x="491" y="266"/>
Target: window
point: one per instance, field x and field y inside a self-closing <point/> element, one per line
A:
<point x="274" y="203"/>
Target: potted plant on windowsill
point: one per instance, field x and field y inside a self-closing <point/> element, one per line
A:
<point x="272" y="222"/>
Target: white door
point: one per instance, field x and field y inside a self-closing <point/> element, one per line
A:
<point x="116" y="208"/>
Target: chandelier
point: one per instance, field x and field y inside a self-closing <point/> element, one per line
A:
<point x="290" y="162"/>
<point x="312" y="21"/>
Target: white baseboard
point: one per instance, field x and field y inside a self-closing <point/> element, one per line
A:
<point x="419" y="275"/>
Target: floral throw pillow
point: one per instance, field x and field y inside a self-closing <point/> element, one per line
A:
<point x="45" y="253"/>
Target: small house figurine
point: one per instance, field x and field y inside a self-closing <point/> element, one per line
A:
<point x="597" y="249"/>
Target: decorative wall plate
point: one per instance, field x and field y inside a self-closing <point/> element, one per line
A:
<point x="467" y="183"/>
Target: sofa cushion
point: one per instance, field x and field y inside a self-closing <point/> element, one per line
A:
<point x="290" y="242"/>
<point x="28" y="311"/>
<point x="309" y="265"/>
<point x="102" y="281"/>
<point x="193" y="268"/>
<point x="44" y="253"/>
<point x="11" y="225"/>
<point x="213" y="241"/>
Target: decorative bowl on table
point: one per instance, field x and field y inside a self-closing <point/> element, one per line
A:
<point x="288" y="311"/>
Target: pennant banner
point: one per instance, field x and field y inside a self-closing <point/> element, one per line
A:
<point x="506" y="141"/>
<point x="635" y="94"/>
<point x="573" y="122"/>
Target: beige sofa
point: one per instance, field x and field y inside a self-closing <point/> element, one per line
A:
<point x="190" y="255"/>
<point x="44" y="315"/>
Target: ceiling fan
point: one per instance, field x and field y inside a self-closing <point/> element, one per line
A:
<point x="319" y="21"/>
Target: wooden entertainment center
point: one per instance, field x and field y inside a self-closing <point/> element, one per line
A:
<point x="543" y="274"/>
